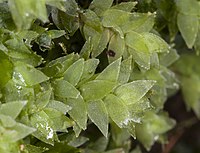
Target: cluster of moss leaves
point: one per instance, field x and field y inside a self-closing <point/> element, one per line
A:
<point x="116" y="78"/>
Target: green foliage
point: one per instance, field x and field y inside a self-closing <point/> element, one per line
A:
<point x="65" y="67"/>
<point x="188" y="73"/>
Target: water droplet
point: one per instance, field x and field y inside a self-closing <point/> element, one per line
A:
<point x="18" y="78"/>
<point x="176" y="85"/>
<point x="50" y="135"/>
<point x="156" y="137"/>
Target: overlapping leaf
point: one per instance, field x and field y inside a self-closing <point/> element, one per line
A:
<point x="100" y="7"/>
<point x="133" y="91"/>
<point x="117" y="110"/>
<point x="185" y="22"/>
<point x="153" y="125"/>
<point x="17" y="107"/>
<point x="188" y="70"/>
<point x="50" y="96"/>
<point x="97" y="112"/>
<point x="64" y="89"/>
<point x="24" y="13"/>
<point x="44" y="125"/>
<point x="74" y="72"/>
<point x="29" y="74"/>
<point x="6" y="68"/>
<point x="78" y="111"/>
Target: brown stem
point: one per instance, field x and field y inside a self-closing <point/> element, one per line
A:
<point x="180" y="129"/>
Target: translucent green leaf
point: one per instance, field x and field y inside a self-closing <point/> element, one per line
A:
<point x="74" y="72"/>
<point x="91" y="19"/>
<point x="60" y="121"/>
<point x="25" y="57"/>
<point x="78" y="111"/>
<point x="154" y="60"/>
<point x="197" y="44"/>
<point x="8" y="136"/>
<point x="34" y="149"/>
<point x="89" y="68"/>
<point x="119" y="135"/>
<point x="7" y="121"/>
<point x="130" y="126"/>
<point x="99" y="7"/>
<point x="137" y="109"/>
<point x="120" y="150"/>
<point x="5" y="17"/>
<point x="6" y="68"/>
<point x="44" y="126"/>
<point x="188" y="26"/>
<point x="64" y="89"/>
<point x="171" y="81"/>
<point x="79" y="141"/>
<point x="141" y="58"/>
<point x="22" y="131"/>
<point x="44" y="41"/>
<point x="77" y="129"/>
<point x="133" y="91"/>
<point x="125" y="70"/>
<point x="16" y="44"/>
<point x="93" y="90"/>
<point x="169" y="58"/>
<point x="62" y="147"/>
<point x="155" y="43"/>
<point x="37" y="28"/>
<point x="191" y="88"/>
<point x="187" y="65"/>
<point x="188" y="70"/>
<point x="60" y="106"/>
<point x="111" y="72"/>
<point x="86" y="49"/>
<point x="30" y="75"/>
<point x="188" y="7"/>
<point x="161" y="122"/>
<point x="94" y="37"/>
<point x="10" y="147"/>
<point x="16" y="106"/>
<point x="42" y="99"/>
<point x="115" y="18"/>
<point x="117" y="45"/>
<point x="153" y="125"/>
<point x="71" y="6"/>
<point x="147" y="139"/>
<point x="28" y="35"/>
<point x="100" y="144"/>
<point x="23" y="12"/>
<point x="102" y="44"/>
<point x="58" y="66"/>
<point x="125" y="6"/>
<point x="139" y="22"/>
<point x="117" y="110"/>
<point x="158" y="91"/>
<point x="57" y="3"/>
<point x="138" y="49"/>
<point x="97" y="112"/>
<point x="3" y="47"/>
<point x="18" y="51"/>
<point x="67" y="21"/>
<point x="16" y="92"/>
<point x="55" y="33"/>
<point x="137" y="42"/>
